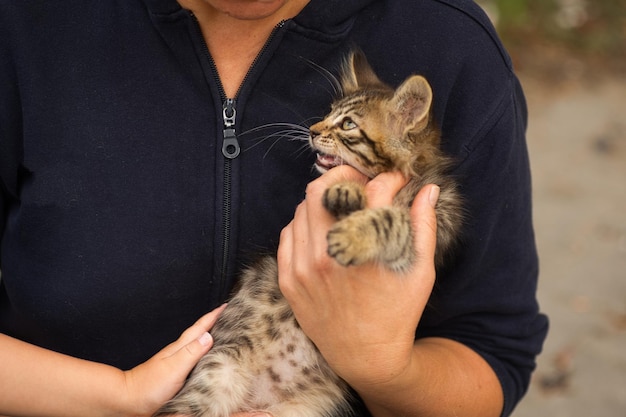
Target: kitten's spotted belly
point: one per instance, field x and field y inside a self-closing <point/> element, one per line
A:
<point x="261" y="360"/>
<point x="287" y="365"/>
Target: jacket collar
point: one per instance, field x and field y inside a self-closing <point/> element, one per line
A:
<point x="162" y="7"/>
<point x="317" y="14"/>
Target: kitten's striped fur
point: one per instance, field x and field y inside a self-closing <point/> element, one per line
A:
<point x="261" y="360"/>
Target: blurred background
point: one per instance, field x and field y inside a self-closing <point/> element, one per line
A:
<point x="571" y="58"/>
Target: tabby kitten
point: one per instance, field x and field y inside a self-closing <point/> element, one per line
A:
<point x="375" y="128"/>
<point x="261" y="359"/>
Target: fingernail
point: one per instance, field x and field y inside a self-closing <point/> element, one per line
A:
<point x="206" y="339"/>
<point x="433" y="196"/>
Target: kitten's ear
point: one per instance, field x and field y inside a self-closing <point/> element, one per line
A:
<point x="357" y="73"/>
<point x="411" y="103"/>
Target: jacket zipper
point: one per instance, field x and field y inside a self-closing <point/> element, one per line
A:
<point x="230" y="150"/>
<point x="230" y="143"/>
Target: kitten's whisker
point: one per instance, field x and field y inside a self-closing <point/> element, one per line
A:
<point x="303" y="148"/>
<point x="329" y="76"/>
<point x="270" y="147"/>
<point x="295" y="127"/>
<point x="297" y="136"/>
<point x="291" y="134"/>
<point x="311" y="121"/>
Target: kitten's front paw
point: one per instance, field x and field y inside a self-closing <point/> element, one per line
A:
<point x="341" y="247"/>
<point x="381" y="235"/>
<point x="344" y="198"/>
<point x="354" y="239"/>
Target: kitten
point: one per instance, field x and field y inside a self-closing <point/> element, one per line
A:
<point x="261" y="359"/>
<point x="375" y="128"/>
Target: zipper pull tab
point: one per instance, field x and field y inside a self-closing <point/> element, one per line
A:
<point x="230" y="146"/>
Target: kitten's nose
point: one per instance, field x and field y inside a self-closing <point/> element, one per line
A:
<point x="314" y="133"/>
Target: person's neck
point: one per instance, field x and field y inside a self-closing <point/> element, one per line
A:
<point x="233" y="41"/>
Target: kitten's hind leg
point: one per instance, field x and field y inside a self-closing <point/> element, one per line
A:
<point x="344" y="198"/>
<point x="382" y="235"/>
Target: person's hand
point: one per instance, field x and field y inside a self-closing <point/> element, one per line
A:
<point x="151" y="384"/>
<point x="362" y="318"/>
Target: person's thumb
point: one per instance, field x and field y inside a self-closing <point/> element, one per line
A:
<point x="155" y="381"/>
<point x="183" y="360"/>
<point x="424" y="220"/>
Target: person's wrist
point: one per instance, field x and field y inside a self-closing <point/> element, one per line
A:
<point x="381" y="398"/>
<point x="109" y="394"/>
<point x="130" y="401"/>
<point x="387" y="372"/>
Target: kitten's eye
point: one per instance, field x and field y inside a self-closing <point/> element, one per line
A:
<point x="348" y="124"/>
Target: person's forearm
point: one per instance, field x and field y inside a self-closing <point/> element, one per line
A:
<point x="445" y="378"/>
<point x="36" y="381"/>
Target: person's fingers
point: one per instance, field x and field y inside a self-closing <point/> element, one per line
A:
<point x="194" y="332"/>
<point x="155" y="381"/>
<point x="381" y="190"/>
<point x="181" y="362"/>
<point x="292" y="262"/>
<point x="316" y="188"/>
<point x="311" y="220"/>
<point x="285" y="247"/>
<point x="424" y="218"/>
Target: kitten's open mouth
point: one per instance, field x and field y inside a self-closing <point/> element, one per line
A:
<point x="325" y="162"/>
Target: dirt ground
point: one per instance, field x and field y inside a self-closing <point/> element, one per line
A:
<point x="577" y="142"/>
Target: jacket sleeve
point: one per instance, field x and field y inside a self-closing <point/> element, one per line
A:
<point x="486" y="297"/>
<point x="10" y="128"/>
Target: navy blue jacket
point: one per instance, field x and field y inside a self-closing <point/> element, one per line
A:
<point x="123" y="220"/>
